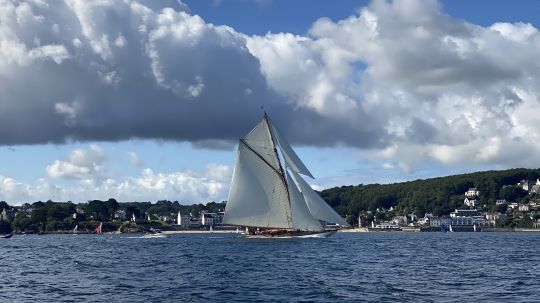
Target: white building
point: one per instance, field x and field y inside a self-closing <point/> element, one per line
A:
<point x="400" y="220"/>
<point x="211" y="219"/>
<point x="183" y="220"/>
<point x="500" y="202"/>
<point x="523" y="207"/>
<point x="387" y="225"/>
<point x="535" y="189"/>
<point x="524" y="184"/>
<point x="462" y="217"/>
<point x="472" y="192"/>
<point x="513" y="205"/>
<point x="470" y="202"/>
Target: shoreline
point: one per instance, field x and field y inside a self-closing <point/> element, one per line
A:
<point x="233" y="231"/>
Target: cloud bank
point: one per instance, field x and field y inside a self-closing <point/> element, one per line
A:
<point x="83" y="175"/>
<point x="399" y="79"/>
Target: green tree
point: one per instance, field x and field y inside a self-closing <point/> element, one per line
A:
<point x="5" y="227"/>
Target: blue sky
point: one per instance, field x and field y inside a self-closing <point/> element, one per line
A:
<point x="367" y="92"/>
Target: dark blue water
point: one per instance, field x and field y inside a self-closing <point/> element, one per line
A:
<point x="359" y="267"/>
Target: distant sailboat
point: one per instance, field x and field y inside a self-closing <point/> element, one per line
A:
<point x="270" y="197"/>
<point x="451" y="230"/>
<point x="75" y="229"/>
<point x="98" y="229"/>
<point x="474" y="227"/>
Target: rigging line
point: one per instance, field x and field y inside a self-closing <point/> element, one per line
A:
<point x="262" y="158"/>
<point x="289" y="217"/>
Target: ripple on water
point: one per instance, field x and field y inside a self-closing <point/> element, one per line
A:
<point x="368" y="267"/>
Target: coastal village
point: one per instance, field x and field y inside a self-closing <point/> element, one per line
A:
<point x="473" y="215"/>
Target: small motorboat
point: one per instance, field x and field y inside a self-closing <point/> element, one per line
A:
<point x="153" y="233"/>
<point x="6" y="236"/>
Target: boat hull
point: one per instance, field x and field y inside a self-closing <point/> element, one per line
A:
<point x="292" y="235"/>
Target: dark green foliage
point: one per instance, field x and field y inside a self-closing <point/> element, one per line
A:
<point x="5" y="227"/>
<point x="439" y="196"/>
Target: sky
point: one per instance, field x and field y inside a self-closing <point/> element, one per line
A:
<point x="143" y="100"/>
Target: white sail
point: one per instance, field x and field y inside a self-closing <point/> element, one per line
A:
<point x="291" y="158"/>
<point x="258" y="196"/>
<point x="260" y="140"/>
<point x="301" y="217"/>
<point x="317" y="206"/>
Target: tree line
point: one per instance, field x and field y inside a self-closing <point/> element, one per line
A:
<point x="52" y="216"/>
<point x="439" y="196"/>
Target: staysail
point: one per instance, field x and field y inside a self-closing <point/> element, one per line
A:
<point x="302" y="218"/>
<point x="317" y="206"/>
<point x="291" y="158"/>
<point x="263" y="193"/>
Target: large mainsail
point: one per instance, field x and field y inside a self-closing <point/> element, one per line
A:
<point x="258" y="195"/>
<point x="263" y="193"/>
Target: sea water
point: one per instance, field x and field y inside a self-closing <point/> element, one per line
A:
<point x="349" y="267"/>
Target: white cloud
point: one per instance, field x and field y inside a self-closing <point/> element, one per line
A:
<point x="443" y="89"/>
<point x="81" y="164"/>
<point x="211" y="184"/>
<point x="400" y="78"/>
<point x="134" y="159"/>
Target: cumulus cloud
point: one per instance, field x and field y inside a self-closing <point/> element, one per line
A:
<point x="400" y="78"/>
<point x="210" y="184"/>
<point x="442" y="89"/>
<point x="81" y="164"/>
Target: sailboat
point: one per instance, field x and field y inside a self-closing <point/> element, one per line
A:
<point x="269" y="196"/>
<point x="98" y="229"/>
<point x="474" y="227"/>
<point x="75" y="229"/>
<point x="451" y="230"/>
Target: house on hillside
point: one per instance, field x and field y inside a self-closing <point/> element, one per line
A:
<point x="470" y="202"/>
<point x="500" y="202"/>
<point x="524" y="184"/>
<point x="523" y="207"/>
<point x="492" y="218"/>
<point x="472" y="192"/>
<point x="535" y="189"/>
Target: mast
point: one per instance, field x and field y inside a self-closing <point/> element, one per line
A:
<point x="281" y="171"/>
